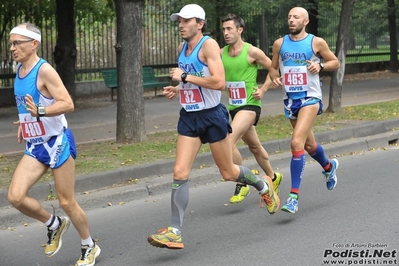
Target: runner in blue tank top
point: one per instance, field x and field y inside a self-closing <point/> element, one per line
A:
<point x="203" y="119"/>
<point x="298" y="55"/>
<point x="42" y="100"/>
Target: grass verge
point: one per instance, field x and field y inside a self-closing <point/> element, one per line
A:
<point x="105" y="156"/>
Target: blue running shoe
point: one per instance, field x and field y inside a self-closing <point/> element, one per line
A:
<point x="292" y="204"/>
<point x="331" y="177"/>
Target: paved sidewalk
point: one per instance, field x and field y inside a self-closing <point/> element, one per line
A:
<point x="97" y="124"/>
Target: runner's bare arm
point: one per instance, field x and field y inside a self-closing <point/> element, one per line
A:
<point x="50" y="85"/>
<point x="210" y="54"/>
<point x="275" y="61"/>
<point x="331" y="62"/>
<point x="260" y="58"/>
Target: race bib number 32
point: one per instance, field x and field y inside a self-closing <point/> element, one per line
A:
<point x="191" y="99"/>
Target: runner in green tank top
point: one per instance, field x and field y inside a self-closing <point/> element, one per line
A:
<point x="240" y="61"/>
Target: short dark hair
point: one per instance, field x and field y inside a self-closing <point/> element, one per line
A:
<point x="238" y="21"/>
<point x="198" y="20"/>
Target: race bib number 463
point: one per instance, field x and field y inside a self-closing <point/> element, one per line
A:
<point x="295" y="79"/>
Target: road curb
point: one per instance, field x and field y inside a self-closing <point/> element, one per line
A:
<point x="155" y="178"/>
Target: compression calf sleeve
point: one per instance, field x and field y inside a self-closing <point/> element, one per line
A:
<point x="297" y="166"/>
<point x="247" y="177"/>
<point x="319" y="155"/>
<point x="179" y="200"/>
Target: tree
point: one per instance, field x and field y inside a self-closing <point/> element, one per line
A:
<point x="313" y="20"/>
<point x="65" y="49"/>
<point x="130" y="126"/>
<point x="39" y="12"/>
<point x="393" y="40"/>
<point x="337" y="77"/>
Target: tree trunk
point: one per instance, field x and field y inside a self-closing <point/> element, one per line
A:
<point x="313" y="21"/>
<point x="373" y="43"/>
<point x="65" y="49"/>
<point x="337" y="77"/>
<point x="130" y="125"/>
<point x="393" y="40"/>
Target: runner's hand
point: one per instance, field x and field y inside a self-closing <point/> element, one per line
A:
<point x="31" y="106"/>
<point x="278" y="82"/>
<point x="170" y="92"/>
<point x="258" y="94"/>
<point x="313" y="67"/>
<point x="19" y="133"/>
<point x="175" y="74"/>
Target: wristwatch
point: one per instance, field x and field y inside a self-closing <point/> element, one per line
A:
<point x="183" y="77"/>
<point x="41" y="111"/>
<point x="321" y="66"/>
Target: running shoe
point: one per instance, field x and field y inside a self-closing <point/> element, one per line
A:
<point x="277" y="182"/>
<point x="54" y="242"/>
<point x="165" y="238"/>
<point x="331" y="177"/>
<point x="292" y="204"/>
<point x="240" y="193"/>
<point x="89" y="255"/>
<point x="270" y="197"/>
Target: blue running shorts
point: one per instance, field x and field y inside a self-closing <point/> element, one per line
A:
<point x="55" y="151"/>
<point x="292" y="107"/>
<point x="210" y="125"/>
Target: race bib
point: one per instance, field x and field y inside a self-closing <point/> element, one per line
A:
<point x="32" y="127"/>
<point x="191" y="98"/>
<point x="237" y="92"/>
<point x="295" y="78"/>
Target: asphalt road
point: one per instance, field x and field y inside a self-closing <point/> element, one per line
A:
<point x="358" y="215"/>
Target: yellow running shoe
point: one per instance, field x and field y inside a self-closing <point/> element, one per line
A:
<point x="270" y="197"/>
<point x="54" y="242"/>
<point x="89" y="255"/>
<point x="166" y="239"/>
<point x="277" y="181"/>
<point x="240" y="193"/>
<point x="255" y="172"/>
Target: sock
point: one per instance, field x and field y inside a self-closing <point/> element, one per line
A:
<point x="319" y="155"/>
<point x="176" y="231"/>
<point x="247" y="177"/>
<point x="53" y="222"/>
<point x="88" y="242"/>
<point x="179" y="200"/>
<point x="297" y="166"/>
<point x="293" y="195"/>
<point x="274" y="177"/>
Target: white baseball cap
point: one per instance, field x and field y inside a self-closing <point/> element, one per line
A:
<point x="189" y="11"/>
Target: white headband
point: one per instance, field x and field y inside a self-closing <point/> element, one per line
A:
<point x="26" y="33"/>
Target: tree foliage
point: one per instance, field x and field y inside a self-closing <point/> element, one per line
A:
<point x="39" y="12"/>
